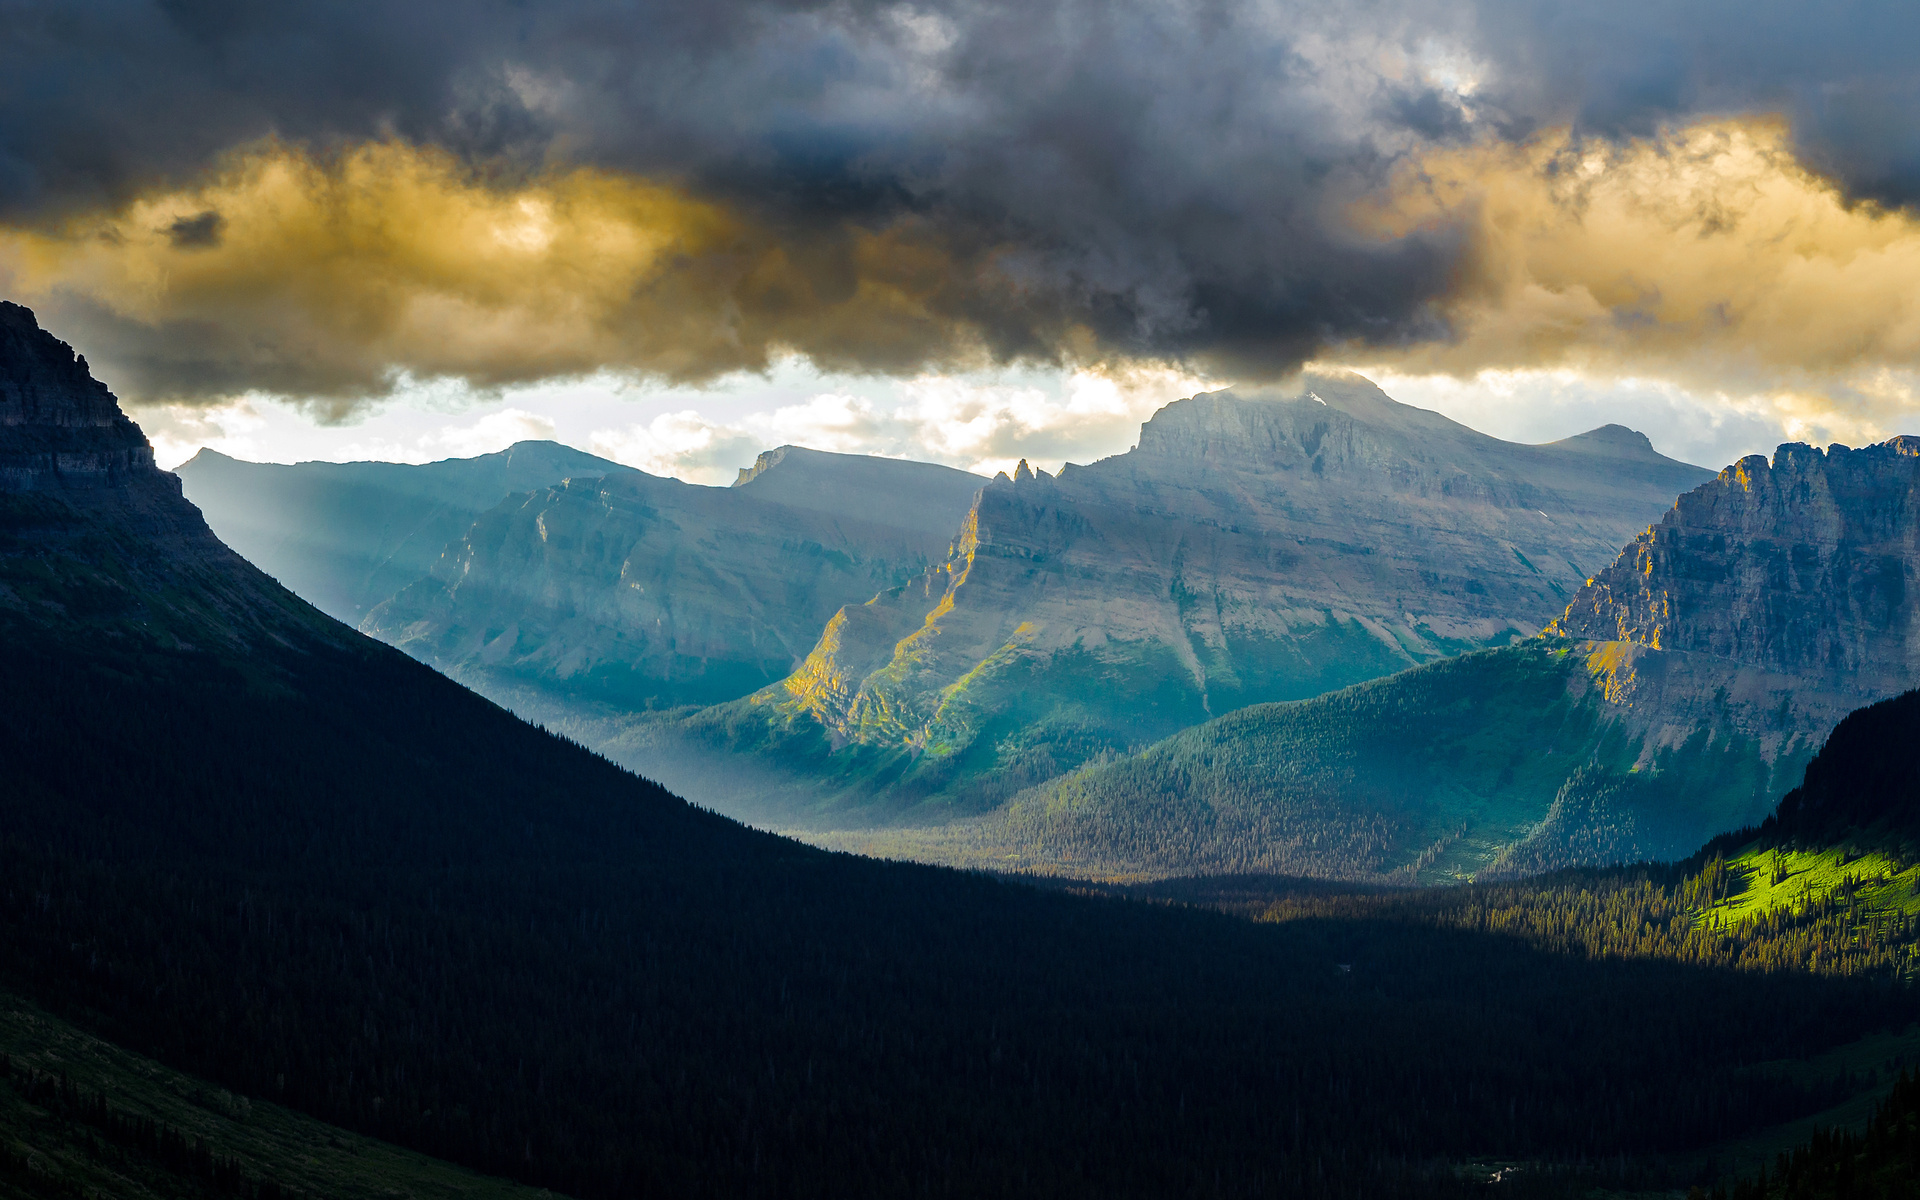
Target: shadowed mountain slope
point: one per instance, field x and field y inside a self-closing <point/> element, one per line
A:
<point x="1861" y="789"/>
<point x="257" y="846"/>
<point x="1249" y="549"/>
<point x="634" y="592"/>
<point x="346" y="536"/>
<point x="1765" y="606"/>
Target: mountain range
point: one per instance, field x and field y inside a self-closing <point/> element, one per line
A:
<point x="1678" y="696"/>
<point x="1249" y="549"/>
<point x="261" y="849"/>
<point x="816" y="646"/>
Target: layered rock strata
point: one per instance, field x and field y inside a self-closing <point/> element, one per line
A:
<point x="63" y="430"/>
<point x="1773" y="599"/>
<point x="1678" y="697"/>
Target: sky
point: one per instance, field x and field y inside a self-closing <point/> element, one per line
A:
<point x="962" y="231"/>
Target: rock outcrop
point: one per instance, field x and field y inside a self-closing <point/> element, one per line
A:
<point x="1250" y="549"/>
<point x="1804" y="566"/>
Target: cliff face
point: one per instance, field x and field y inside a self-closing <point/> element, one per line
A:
<point x="62" y="428"/>
<point x="1250" y="549"/>
<point x="1685" y="688"/>
<point x="635" y="592"/>
<point x="1804" y="566"/>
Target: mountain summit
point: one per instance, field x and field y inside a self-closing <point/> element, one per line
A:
<point x="347" y="536"/>
<point x="92" y="529"/>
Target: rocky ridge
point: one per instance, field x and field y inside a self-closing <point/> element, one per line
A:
<point x="63" y="430"/>
<point x="92" y="530"/>
<point x="347" y="536"/>
<point x="1773" y="599"/>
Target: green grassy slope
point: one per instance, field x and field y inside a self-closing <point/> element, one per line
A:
<point x="82" y="1117"/>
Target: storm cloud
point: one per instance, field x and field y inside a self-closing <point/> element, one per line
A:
<point x="876" y="186"/>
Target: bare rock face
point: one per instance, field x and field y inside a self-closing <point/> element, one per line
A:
<point x="62" y="428"/>
<point x="1779" y="596"/>
<point x="1256" y="548"/>
<point x="1679" y="696"/>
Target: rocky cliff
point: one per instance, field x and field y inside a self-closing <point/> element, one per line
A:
<point x="632" y="592"/>
<point x="63" y="430"/>
<point x="1803" y="568"/>
<point x="1251" y="548"/>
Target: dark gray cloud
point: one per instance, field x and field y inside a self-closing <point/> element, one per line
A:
<point x="1167" y="173"/>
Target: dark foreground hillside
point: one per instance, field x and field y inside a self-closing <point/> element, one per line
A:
<point x="241" y="839"/>
<point x="1881" y="1162"/>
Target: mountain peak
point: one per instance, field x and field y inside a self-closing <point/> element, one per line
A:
<point x="60" y="428"/>
<point x="924" y="497"/>
<point x="1610" y="441"/>
<point x="42" y="381"/>
<point x="134" y="548"/>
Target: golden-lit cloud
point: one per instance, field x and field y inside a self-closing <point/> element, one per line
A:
<point x="329" y="277"/>
<point x="1709" y="255"/>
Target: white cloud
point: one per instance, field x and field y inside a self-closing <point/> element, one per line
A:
<point x="986" y="422"/>
<point x="977" y="424"/>
<point x="496" y="431"/>
<point x="683" y="444"/>
<point x="180" y="431"/>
